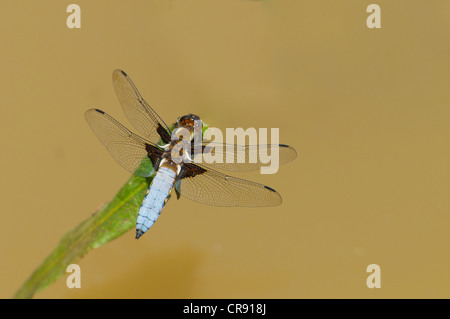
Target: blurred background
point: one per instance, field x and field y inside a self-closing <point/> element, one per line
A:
<point x="366" y="109"/>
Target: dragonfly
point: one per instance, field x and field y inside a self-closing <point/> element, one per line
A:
<point x="153" y="152"/>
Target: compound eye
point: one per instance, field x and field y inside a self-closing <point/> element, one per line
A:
<point x="188" y="120"/>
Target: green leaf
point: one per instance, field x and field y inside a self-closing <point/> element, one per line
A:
<point x="108" y="223"/>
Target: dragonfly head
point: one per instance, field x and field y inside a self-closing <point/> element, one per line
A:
<point x="192" y="122"/>
<point x="188" y="120"/>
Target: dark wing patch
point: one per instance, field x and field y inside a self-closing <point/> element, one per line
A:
<point x="165" y="136"/>
<point x="191" y="170"/>
<point x="154" y="154"/>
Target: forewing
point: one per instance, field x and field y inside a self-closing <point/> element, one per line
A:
<point x="244" y="158"/>
<point x="139" y="113"/>
<point x="210" y="187"/>
<point x="131" y="151"/>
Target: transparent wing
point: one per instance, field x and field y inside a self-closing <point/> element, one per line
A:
<point x="131" y="151"/>
<point x="244" y="158"/>
<point x="139" y="113"/>
<point x="210" y="187"/>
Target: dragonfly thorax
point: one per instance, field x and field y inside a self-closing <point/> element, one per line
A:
<point x="167" y="162"/>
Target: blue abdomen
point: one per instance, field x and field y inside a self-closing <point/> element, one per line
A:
<point x="155" y="199"/>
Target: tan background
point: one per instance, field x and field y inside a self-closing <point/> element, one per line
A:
<point x="367" y="111"/>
